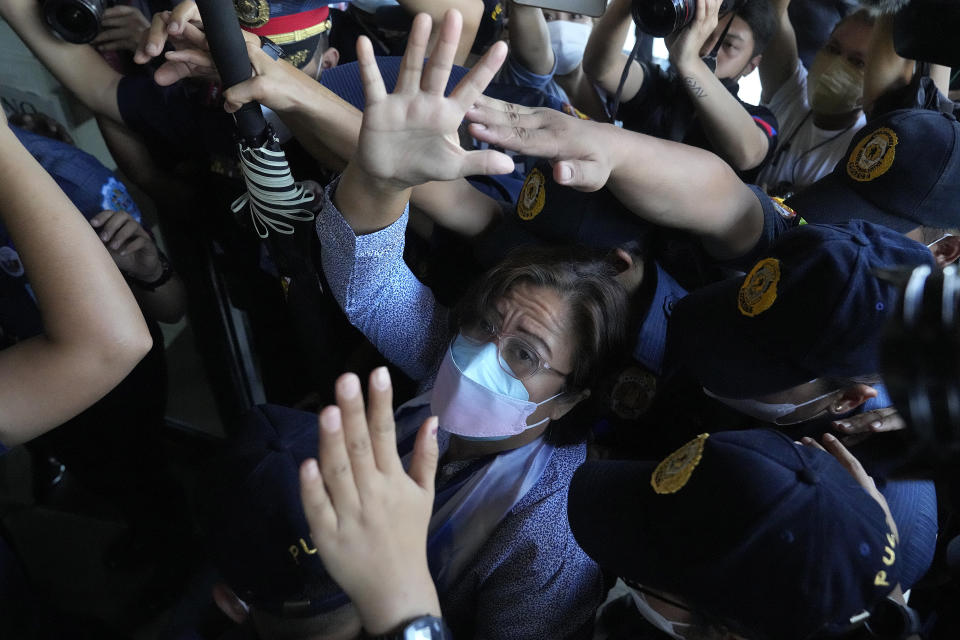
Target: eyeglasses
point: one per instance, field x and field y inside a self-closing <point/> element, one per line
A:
<point x="515" y="354"/>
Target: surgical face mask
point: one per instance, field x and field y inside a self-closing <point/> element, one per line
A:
<point x="768" y="411"/>
<point x="835" y="85"/>
<point x="474" y="398"/>
<point x="657" y="619"/>
<point x="943" y="237"/>
<point x="568" y="40"/>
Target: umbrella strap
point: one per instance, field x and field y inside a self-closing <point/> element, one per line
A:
<point x="272" y="194"/>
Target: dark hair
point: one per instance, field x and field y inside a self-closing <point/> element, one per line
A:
<point x="762" y="20"/>
<point x="586" y="280"/>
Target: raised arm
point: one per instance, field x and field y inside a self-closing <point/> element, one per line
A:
<point x="78" y="67"/>
<point x="603" y="59"/>
<point x="666" y="183"/>
<point x="530" y="39"/>
<point x="780" y="58"/>
<point x="94" y="332"/>
<point x="735" y="135"/>
<point x="886" y="71"/>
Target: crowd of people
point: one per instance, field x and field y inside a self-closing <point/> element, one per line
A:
<point x="615" y="324"/>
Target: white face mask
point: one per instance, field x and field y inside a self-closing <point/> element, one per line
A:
<point x="568" y="40"/>
<point x="656" y="618"/>
<point x="768" y="411"/>
<point x="474" y="398"/>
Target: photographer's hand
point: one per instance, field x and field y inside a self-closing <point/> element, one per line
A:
<point x="183" y="24"/>
<point x="122" y="29"/>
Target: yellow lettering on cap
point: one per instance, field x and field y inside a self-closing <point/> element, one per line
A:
<point x="892" y="540"/>
<point x="294" y="553"/>
<point x="303" y="543"/>
<point x="892" y="556"/>
<point x="881" y="579"/>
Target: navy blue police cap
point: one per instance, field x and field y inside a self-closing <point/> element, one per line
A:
<point x="902" y="170"/>
<point x="814" y="306"/>
<point x="297" y="26"/>
<point x="254" y="523"/>
<point x="773" y="539"/>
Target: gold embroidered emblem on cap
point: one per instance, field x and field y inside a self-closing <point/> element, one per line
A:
<point x="532" y="196"/>
<point x="759" y="288"/>
<point x="252" y="13"/>
<point x="675" y="470"/>
<point x="873" y="156"/>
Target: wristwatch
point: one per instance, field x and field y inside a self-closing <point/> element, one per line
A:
<point x="271" y="48"/>
<point x="421" y="628"/>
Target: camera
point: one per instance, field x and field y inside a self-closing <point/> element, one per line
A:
<point x="921" y="367"/>
<point x="76" y="21"/>
<point x="662" y="17"/>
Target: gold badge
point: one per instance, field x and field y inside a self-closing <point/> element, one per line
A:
<point x="532" y="196"/>
<point x="873" y="156"/>
<point x="252" y="13"/>
<point x="759" y="288"/>
<point x="675" y="470"/>
<point x="633" y="393"/>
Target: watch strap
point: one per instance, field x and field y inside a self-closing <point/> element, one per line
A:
<point x="424" y="627"/>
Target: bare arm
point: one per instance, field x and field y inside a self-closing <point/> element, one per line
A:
<point x="78" y="67"/>
<point x="529" y="39"/>
<point x="733" y="132"/>
<point x="471" y="10"/>
<point x="94" y="332"/>
<point x="650" y="176"/>
<point x="780" y="58"/>
<point x="603" y="59"/>
<point x="886" y="71"/>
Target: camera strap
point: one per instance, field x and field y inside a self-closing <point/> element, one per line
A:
<point x="711" y="58"/>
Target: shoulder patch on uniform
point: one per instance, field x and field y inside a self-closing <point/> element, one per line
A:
<point x="115" y="197"/>
<point x="759" y="288"/>
<point x="673" y="473"/>
<point x="252" y="13"/>
<point x="873" y="156"/>
<point x="533" y="195"/>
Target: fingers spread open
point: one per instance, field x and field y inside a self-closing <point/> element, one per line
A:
<point x="335" y="464"/>
<point x="370" y="76"/>
<point x="317" y="506"/>
<point x="408" y="79"/>
<point x="383" y="433"/>
<point x="437" y="71"/>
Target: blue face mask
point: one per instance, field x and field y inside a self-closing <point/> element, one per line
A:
<point x="480" y="363"/>
<point x="476" y="399"/>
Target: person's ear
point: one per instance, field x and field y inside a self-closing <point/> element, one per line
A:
<point x="566" y="402"/>
<point x="330" y="58"/>
<point x="230" y="603"/>
<point x="946" y="251"/>
<point x="753" y="64"/>
<point x="850" y="398"/>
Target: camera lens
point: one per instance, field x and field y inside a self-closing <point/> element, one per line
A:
<point x="662" y="17"/>
<point x="76" y="21"/>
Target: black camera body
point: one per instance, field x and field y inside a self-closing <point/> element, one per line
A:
<point x="660" y="18"/>
<point x="76" y="21"/>
<point x="920" y="364"/>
